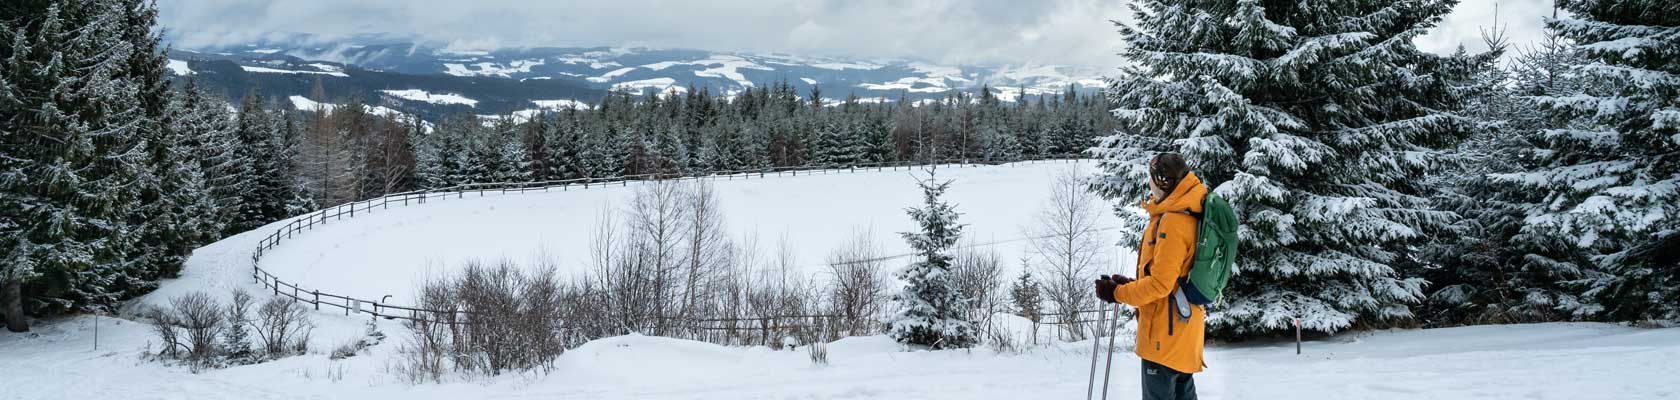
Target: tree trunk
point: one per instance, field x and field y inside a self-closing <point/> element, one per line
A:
<point x="13" y="294"/>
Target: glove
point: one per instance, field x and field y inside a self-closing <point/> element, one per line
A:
<point x="1106" y="285"/>
<point x="1105" y="289"/>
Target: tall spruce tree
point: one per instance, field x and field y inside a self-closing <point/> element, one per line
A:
<point x="73" y="156"/>
<point x="1316" y="120"/>
<point x="1490" y="270"/>
<point x="1606" y="163"/>
<point x="932" y="311"/>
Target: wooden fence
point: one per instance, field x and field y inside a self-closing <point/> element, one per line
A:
<point x="744" y="330"/>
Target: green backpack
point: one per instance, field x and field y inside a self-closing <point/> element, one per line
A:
<point x="1216" y="252"/>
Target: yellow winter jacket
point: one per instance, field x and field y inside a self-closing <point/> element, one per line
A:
<point x="1165" y="254"/>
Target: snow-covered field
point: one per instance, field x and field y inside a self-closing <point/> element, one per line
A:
<point x="1545" y="361"/>
<point x="58" y="359"/>
<point x="387" y="252"/>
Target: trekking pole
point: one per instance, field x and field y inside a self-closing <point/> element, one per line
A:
<point x="1113" y="324"/>
<point x="1096" y="339"/>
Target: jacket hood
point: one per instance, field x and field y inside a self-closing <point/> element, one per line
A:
<point x="1186" y="197"/>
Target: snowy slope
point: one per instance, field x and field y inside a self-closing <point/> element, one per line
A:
<point x="1542" y="361"/>
<point x="1545" y="361"/>
<point x="388" y="251"/>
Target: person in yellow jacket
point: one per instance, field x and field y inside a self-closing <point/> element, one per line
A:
<point x="1169" y="332"/>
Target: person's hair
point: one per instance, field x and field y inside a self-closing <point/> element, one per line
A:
<point x="1167" y="170"/>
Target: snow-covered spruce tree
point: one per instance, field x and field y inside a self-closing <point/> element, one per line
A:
<point x="254" y="134"/>
<point x="206" y="129"/>
<point x="1490" y="270"/>
<point x="931" y="311"/>
<point x="73" y="158"/>
<point x="1607" y="159"/>
<point x="1316" y="120"/>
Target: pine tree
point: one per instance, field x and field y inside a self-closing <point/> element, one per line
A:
<point x="932" y="312"/>
<point x="1024" y="294"/>
<point x="1606" y="163"/>
<point x="73" y="157"/>
<point x="215" y="145"/>
<point x="1489" y="270"/>
<point x="1317" y="121"/>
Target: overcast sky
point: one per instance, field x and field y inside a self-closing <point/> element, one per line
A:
<point x="950" y="31"/>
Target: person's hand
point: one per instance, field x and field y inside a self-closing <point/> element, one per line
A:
<point x="1105" y="289"/>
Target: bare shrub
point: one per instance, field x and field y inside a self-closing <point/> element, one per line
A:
<point x="656" y="237"/>
<point x="977" y="273"/>
<point x="200" y="319"/>
<point x="818" y="352"/>
<point x="1068" y="245"/>
<point x="165" y="327"/>
<point x="283" y="327"/>
<point x="500" y="319"/>
<point x="346" y="350"/>
<point x="858" y="289"/>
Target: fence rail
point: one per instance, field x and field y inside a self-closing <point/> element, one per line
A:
<point x="732" y="327"/>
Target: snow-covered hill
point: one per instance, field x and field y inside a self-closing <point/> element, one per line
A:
<point x="390" y="71"/>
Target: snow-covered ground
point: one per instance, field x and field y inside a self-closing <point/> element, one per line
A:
<point x="266" y="70"/>
<point x="387" y="252"/>
<point x="58" y="360"/>
<point x="434" y="98"/>
<point x="1545" y="361"/>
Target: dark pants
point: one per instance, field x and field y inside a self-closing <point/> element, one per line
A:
<point x="1162" y="383"/>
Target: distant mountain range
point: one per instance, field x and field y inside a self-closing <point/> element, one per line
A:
<point x="434" y="81"/>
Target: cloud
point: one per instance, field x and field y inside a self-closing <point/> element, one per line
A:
<point x="950" y="31"/>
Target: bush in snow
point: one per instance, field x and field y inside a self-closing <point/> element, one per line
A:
<point x="283" y="327"/>
<point x="858" y="285"/>
<point x="236" y="339"/>
<point x="499" y="318"/>
<point x="200" y="318"/>
<point x="932" y="311"/>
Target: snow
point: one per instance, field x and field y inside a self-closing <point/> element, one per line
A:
<point x="179" y="67"/>
<point x="327" y="67"/>
<point x="934" y="79"/>
<point x="660" y="84"/>
<point x="504" y="70"/>
<point x="911" y="84"/>
<point x="608" y="77"/>
<point x="560" y="104"/>
<point x="266" y="70"/>
<point x="1542" y="361"/>
<point x="422" y="95"/>
<point x="305" y="104"/>
<point x="809" y="81"/>
<point x="265" y="51"/>
<point x="726" y="66"/>
<point x="389" y="251"/>
<point x="58" y="360"/>
<point x="843" y="66"/>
